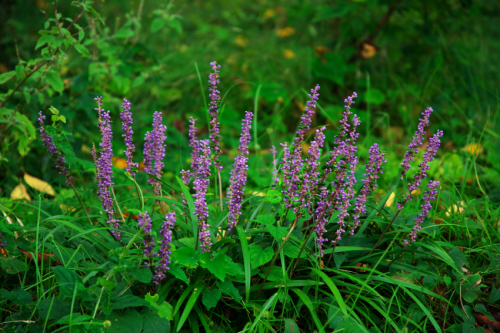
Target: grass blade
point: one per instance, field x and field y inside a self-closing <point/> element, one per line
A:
<point x="266" y="307"/>
<point x="189" y="305"/>
<point x="246" y="260"/>
<point x="307" y="302"/>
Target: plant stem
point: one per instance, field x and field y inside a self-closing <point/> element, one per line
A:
<point x="385" y="231"/>
<point x="80" y="201"/>
<point x="220" y="190"/>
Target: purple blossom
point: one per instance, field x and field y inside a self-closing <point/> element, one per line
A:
<point x="52" y="149"/>
<point x="275" y="166"/>
<point x="321" y="209"/>
<point x="426" y="207"/>
<point x="165" y="248"/>
<point x="200" y="185"/>
<point x="144" y="221"/>
<point x="126" y="117"/>
<point x="418" y="138"/>
<point x="429" y="154"/>
<point x="103" y="163"/>
<point x="154" y="152"/>
<point x="239" y="173"/>
<point x="214" y="113"/>
<point x="373" y="169"/>
<point x="195" y="153"/>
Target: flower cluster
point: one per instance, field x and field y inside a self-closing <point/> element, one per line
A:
<point x="214" y="113"/>
<point x="239" y="173"/>
<point x="154" y="152"/>
<point x="103" y="163"/>
<point x="195" y="153"/>
<point x="200" y="185"/>
<point x="52" y="149"/>
<point x="144" y="221"/>
<point x="126" y="117"/>
<point x="426" y="207"/>
<point x="165" y="248"/>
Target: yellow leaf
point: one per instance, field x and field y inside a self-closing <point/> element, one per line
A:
<point x="39" y="185"/>
<point x="288" y="54"/>
<point x="241" y="41"/>
<point x="20" y="193"/>
<point x="269" y="13"/>
<point x="474" y="148"/>
<point x="120" y="163"/>
<point x="416" y="192"/>
<point x="368" y="51"/>
<point x="285" y="32"/>
<point x="305" y="147"/>
<point x="390" y="200"/>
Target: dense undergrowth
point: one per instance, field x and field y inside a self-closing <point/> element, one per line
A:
<point x="232" y="221"/>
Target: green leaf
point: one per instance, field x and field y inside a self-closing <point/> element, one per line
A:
<point x="334" y="69"/>
<point x="6" y="76"/>
<point x="130" y="322"/>
<point x="210" y="298"/>
<point x="481" y="308"/>
<point x="336" y="319"/>
<point x="246" y="260"/>
<point x="165" y="310"/>
<point x="291" y="326"/>
<point x="274" y="196"/>
<point x="189" y="305"/>
<point x="19" y="71"/>
<point x="259" y="256"/>
<point x="153" y="323"/>
<point x="266" y="219"/>
<point x="124" y="32"/>
<point x="128" y="300"/>
<point x="157" y="24"/>
<point x="311" y="308"/>
<point x="176" y="24"/>
<point x="13" y="266"/>
<point x="81" y="34"/>
<point x="17" y="296"/>
<point x="52" y="308"/>
<point x="232" y="268"/>
<point x="186" y="256"/>
<point x="143" y="275"/>
<point x="178" y="273"/>
<point x="374" y="96"/>
<point x="339" y="258"/>
<point x="470" y="288"/>
<point x="494" y="295"/>
<point x="292" y="251"/>
<point x="277" y="232"/>
<point x="217" y="265"/>
<point x="459" y="259"/>
<point x="106" y="283"/>
<point x="227" y="287"/>
<point x="82" y="50"/>
<point x="44" y="39"/>
<point x="55" y="81"/>
<point x="276" y="274"/>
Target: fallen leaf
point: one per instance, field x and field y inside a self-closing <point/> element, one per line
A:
<point x="474" y="148"/>
<point x="120" y="163"/>
<point x="39" y="185"/>
<point x="285" y="32"/>
<point x="368" y="50"/>
<point x="390" y="200"/>
<point x="20" y="193"/>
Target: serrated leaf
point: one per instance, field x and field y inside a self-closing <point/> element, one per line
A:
<point x="186" y="256"/>
<point x="274" y="196"/>
<point x="217" y="265"/>
<point x="6" y="76"/>
<point x="292" y="251"/>
<point x="39" y="185"/>
<point x="227" y="287"/>
<point x="266" y="219"/>
<point x="43" y="40"/>
<point x="143" y="275"/>
<point x="277" y="232"/>
<point x="165" y="310"/>
<point x="259" y="256"/>
<point x="210" y="298"/>
<point x="82" y="50"/>
<point x="127" y="301"/>
<point x="275" y="275"/>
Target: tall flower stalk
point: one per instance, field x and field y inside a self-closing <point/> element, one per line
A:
<point x="144" y="221"/>
<point x="195" y="155"/>
<point x="154" y="152"/>
<point x="426" y="207"/>
<point x="200" y="185"/>
<point x="239" y="173"/>
<point x="103" y="163"/>
<point x="127" y="121"/>
<point x="165" y="248"/>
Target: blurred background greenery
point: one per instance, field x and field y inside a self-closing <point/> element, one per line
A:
<point x="400" y="57"/>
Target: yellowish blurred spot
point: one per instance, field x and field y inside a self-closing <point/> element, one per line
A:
<point x="20" y="193"/>
<point x="241" y="41"/>
<point x="288" y="54"/>
<point x="39" y="185"/>
<point x="390" y="200"/>
<point x="280" y="99"/>
<point x="285" y="32"/>
<point x="42" y="4"/>
<point x="305" y="147"/>
<point x="141" y="166"/>
<point x="120" y="163"/>
<point x="269" y="13"/>
<point x="300" y="105"/>
<point x="456" y="208"/>
<point x="368" y="51"/>
<point x="183" y="48"/>
<point x="85" y="149"/>
<point x="416" y="192"/>
<point x="474" y="148"/>
<point x="244" y="68"/>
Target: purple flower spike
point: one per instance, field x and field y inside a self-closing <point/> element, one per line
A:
<point x="126" y="117"/>
<point x="52" y="149"/>
<point x="275" y="166"/>
<point x="166" y="245"/>
<point x="239" y="173"/>
<point x="200" y="185"/>
<point x="154" y="151"/>
<point x="214" y="113"/>
<point x="321" y="209"/>
<point x="426" y="207"/>
<point x="104" y="171"/>
<point x="418" y="138"/>
<point x="373" y="169"/>
<point x="429" y="154"/>
<point x="144" y="221"/>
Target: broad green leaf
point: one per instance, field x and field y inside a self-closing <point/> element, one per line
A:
<point x="126" y="301"/>
<point x="458" y="258"/>
<point x="19" y="71"/>
<point x="228" y="288"/>
<point x="130" y="322"/>
<point x="153" y="323"/>
<point x="210" y="298"/>
<point x="278" y="233"/>
<point x="176" y="24"/>
<point x="481" y="308"/>
<point x="43" y="40"/>
<point x="6" y="76"/>
<point x="494" y="295"/>
<point x="266" y="219"/>
<point x="292" y="251"/>
<point x="143" y="275"/>
<point x="165" y="310"/>
<point x="13" y="266"/>
<point x="233" y="268"/>
<point x="186" y="256"/>
<point x="336" y="319"/>
<point x="470" y="288"/>
<point x="374" y="96"/>
<point x="124" y="32"/>
<point x="291" y="326"/>
<point x="55" y="81"/>
<point x="276" y="274"/>
<point x="66" y="280"/>
<point x="259" y="256"/>
<point x="157" y="24"/>
<point x="106" y="283"/>
<point x="52" y="308"/>
<point x="178" y="273"/>
<point x="339" y="258"/>
<point x="217" y="265"/>
<point x="274" y="196"/>
<point x="17" y="296"/>
<point x="82" y="50"/>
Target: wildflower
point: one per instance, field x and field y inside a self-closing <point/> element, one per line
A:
<point x="126" y="117"/>
<point x="373" y="168"/>
<point x="418" y="138"/>
<point x="166" y="245"/>
<point x="200" y="185"/>
<point x="103" y="163"/>
<point x="426" y="207"/>
<point x="214" y="113"/>
<point x="194" y="144"/>
<point x="52" y="149"/>
<point x="321" y="209"/>
<point x="154" y="151"/>
<point x="239" y="173"/>
<point x="429" y="154"/>
<point x="144" y="221"/>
